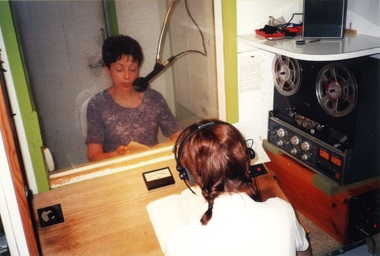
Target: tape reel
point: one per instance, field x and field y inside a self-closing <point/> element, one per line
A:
<point x="336" y="90"/>
<point x="286" y="75"/>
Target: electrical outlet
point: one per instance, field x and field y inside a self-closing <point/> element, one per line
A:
<point x="50" y="215"/>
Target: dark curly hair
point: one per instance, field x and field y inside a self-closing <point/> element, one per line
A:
<point x="116" y="46"/>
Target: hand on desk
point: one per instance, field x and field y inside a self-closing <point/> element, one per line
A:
<point x="132" y="147"/>
<point x="95" y="152"/>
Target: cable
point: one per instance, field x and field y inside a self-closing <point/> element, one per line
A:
<point x="285" y="25"/>
<point x="188" y="186"/>
<point x="368" y="236"/>
<point x="256" y="194"/>
<point x="374" y="245"/>
<point x="282" y="29"/>
<point x="200" y="31"/>
<point x="163" y="30"/>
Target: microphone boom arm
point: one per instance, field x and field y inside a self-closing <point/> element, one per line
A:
<point x="163" y="30"/>
<point x="158" y="67"/>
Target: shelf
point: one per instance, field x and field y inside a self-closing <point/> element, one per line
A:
<point x="331" y="49"/>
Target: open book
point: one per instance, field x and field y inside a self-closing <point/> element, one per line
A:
<point x="170" y="212"/>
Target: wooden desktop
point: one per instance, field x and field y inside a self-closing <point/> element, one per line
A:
<point x="108" y="216"/>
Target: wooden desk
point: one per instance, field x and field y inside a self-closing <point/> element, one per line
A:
<point x="107" y="215"/>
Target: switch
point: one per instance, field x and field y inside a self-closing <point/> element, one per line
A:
<point x="50" y="215"/>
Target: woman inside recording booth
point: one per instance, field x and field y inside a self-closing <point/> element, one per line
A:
<point x="216" y="155"/>
<point x="119" y="118"/>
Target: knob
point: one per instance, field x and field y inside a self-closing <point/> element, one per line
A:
<point x="295" y="140"/>
<point x="280" y="143"/>
<point x="281" y="133"/>
<point x="293" y="151"/>
<point x="305" y="146"/>
<point x="304" y="157"/>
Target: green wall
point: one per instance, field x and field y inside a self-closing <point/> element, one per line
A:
<point x="28" y="115"/>
<point x="230" y="60"/>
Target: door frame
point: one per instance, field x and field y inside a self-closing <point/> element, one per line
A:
<point x="14" y="205"/>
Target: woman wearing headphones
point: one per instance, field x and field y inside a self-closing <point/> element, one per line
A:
<point x="216" y="155"/>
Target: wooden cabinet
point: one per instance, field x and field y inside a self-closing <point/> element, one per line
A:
<point x="330" y="212"/>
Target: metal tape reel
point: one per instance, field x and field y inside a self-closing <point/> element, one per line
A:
<point x="336" y="90"/>
<point x="286" y="75"/>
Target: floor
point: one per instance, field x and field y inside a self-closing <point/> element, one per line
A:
<point x="361" y="250"/>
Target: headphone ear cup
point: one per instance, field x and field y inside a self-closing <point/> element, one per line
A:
<point x="182" y="173"/>
<point x="252" y="153"/>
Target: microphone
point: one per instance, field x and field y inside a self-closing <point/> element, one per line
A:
<point x="140" y="84"/>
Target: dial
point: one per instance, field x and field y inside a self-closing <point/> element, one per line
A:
<point x="281" y="133"/>
<point x="305" y="123"/>
<point x="305" y="146"/>
<point x="295" y="140"/>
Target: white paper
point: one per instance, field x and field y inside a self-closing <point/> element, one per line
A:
<point x="171" y="212"/>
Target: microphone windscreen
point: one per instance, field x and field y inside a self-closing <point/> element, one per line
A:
<point x="140" y="84"/>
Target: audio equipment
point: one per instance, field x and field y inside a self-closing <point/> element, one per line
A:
<point x="184" y="174"/>
<point x="326" y="115"/>
<point x="140" y="84"/>
<point x="324" y="18"/>
<point x="364" y="211"/>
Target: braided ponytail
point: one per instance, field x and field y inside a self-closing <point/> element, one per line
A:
<point x="217" y="158"/>
<point x="208" y="214"/>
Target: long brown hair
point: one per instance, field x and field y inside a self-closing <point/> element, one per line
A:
<point x="217" y="157"/>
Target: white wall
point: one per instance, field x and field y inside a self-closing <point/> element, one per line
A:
<point x="253" y="14"/>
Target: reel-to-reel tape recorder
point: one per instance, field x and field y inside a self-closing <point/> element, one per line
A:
<point x="326" y="115"/>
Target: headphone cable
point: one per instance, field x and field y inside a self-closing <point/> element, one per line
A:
<point x="187" y="185"/>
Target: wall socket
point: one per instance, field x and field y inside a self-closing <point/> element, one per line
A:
<point x="50" y="215"/>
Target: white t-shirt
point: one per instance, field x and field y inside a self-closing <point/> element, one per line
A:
<point x="241" y="226"/>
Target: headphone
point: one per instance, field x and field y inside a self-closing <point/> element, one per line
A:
<point x="183" y="172"/>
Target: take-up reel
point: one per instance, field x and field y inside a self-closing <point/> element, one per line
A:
<point x="336" y="90"/>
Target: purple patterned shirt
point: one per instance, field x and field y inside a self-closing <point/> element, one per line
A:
<point x="112" y="125"/>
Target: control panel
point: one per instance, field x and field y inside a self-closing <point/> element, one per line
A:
<point x="306" y="149"/>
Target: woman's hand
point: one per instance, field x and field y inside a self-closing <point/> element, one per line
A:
<point x="95" y="151"/>
<point x="121" y="150"/>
